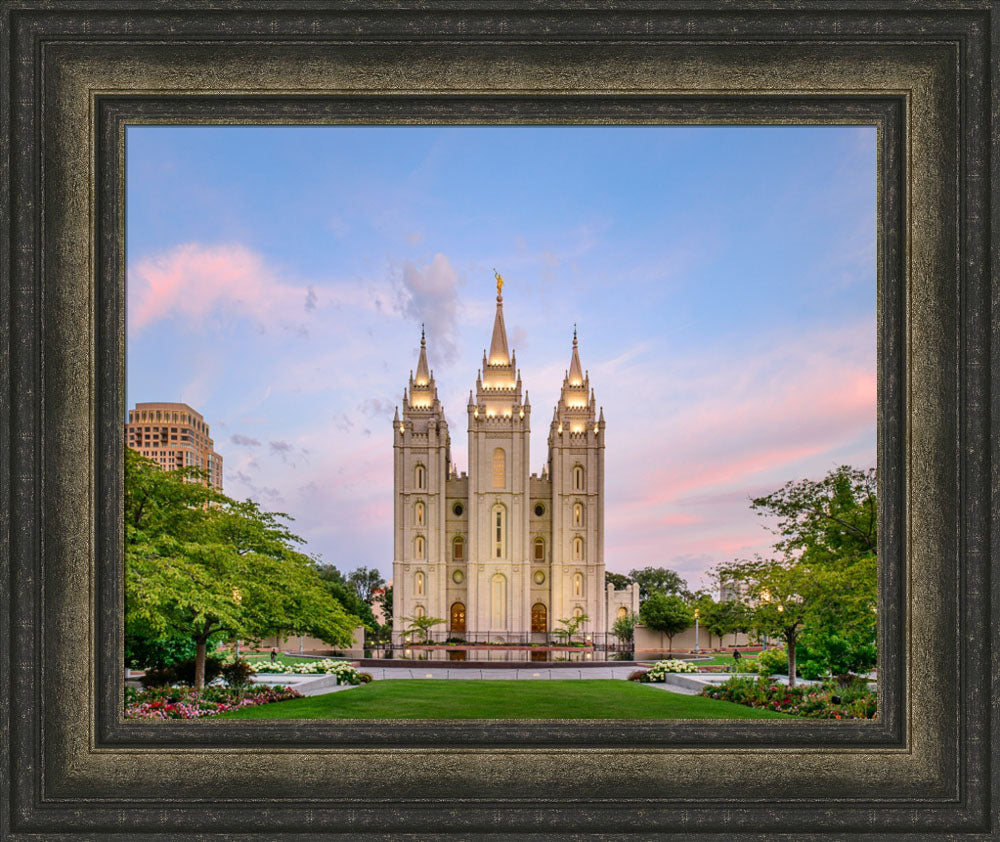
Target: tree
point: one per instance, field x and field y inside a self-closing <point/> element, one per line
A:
<point x="201" y="565"/>
<point x="780" y="594"/>
<point x="830" y="528"/>
<point x="619" y="580"/>
<point x="624" y="628"/>
<point x="346" y="595"/>
<point x="658" y="579"/>
<point x="829" y="519"/>
<point x="365" y="581"/>
<point x="726" y="617"/>
<point x="666" y="613"/>
<point x="422" y="625"/>
<point x="570" y="626"/>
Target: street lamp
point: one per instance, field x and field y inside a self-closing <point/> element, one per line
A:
<point x="697" y="614"/>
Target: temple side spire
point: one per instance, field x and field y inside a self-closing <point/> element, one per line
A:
<point x="575" y="371"/>
<point x="423" y="374"/>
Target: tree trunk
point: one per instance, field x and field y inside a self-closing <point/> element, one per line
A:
<point x="790" y="646"/>
<point x="199" y="664"/>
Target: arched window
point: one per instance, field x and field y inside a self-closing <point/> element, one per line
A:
<point x="457" y="617"/>
<point x="539" y="549"/>
<point x="499" y="527"/>
<point x="578" y="549"/>
<point x="418" y="611"/>
<point x="539" y="618"/>
<point x="498" y="602"/>
<point x="499" y="468"/>
<point x="577" y="584"/>
<point x="578" y="478"/>
<point x="578" y="514"/>
<point x="419" y="583"/>
<point x="419" y="512"/>
<point x="622" y="612"/>
<point x="419" y="547"/>
<point x="458" y="548"/>
<point x="420" y="476"/>
<point x="578" y="611"/>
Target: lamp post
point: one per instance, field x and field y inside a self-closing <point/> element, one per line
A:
<point x="697" y="614"/>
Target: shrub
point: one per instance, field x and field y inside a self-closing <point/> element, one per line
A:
<point x="638" y="675"/>
<point x="772" y="662"/>
<point x="158" y="677"/>
<point x="364" y="677"/>
<point x="659" y="670"/>
<point x="346" y="674"/>
<point x="818" y="702"/>
<point x="237" y="673"/>
<point x="181" y="673"/>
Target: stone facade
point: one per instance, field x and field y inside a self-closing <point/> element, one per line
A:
<point x="500" y="552"/>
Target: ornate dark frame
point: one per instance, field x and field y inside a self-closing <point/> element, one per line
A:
<point x="75" y="75"/>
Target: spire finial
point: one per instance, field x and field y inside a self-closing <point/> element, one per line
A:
<point x="574" y="333"/>
<point x="423" y="340"/>
<point x="499" y="279"/>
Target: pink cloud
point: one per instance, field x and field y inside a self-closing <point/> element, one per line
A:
<point x="192" y="281"/>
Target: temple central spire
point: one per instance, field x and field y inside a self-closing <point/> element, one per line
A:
<point x="499" y="353"/>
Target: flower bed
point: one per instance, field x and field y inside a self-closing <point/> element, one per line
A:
<point x="188" y="703"/>
<point x="346" y="674"/>
<point x="828" y="701"/>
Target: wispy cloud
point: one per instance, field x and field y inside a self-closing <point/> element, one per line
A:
<point x="429" y="295"/>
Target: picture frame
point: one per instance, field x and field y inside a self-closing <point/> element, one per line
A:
<point x="73" y="78"/>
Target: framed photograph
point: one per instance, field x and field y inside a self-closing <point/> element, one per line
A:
<point x="919" y="81"/>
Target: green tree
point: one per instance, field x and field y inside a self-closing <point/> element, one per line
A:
<point x="365" y="581"/>
<point x="624" y="627"/>
<point x="666" y="613"/>
<point x="658" y="579"/>
<point x="570" y="626"/>
<point x="828" y="519"/>
<point x="830" y="528"/>
<point x="422" y="625"/>
<point x="780" y="591"/>
<point x="619" y="580"/>
<point x="346" y="595"/>
<point x="726" y="617"/>
<point x="201" y="565"/>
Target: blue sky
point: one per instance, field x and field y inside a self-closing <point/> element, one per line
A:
<point x="722" y="280"/>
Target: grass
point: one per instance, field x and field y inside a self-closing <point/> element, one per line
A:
<point x="498" y="699"/>
<point x="747" y="663"/>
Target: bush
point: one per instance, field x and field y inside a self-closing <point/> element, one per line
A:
<point x="346" y="674"/>
<point x="365" y="677"/>
<point x="772" y="662"/>
<point x="181" y="673"/>
<point x="659" y="670"/>
<point x="638" y="675"/>
<point x="238" y="673"/>
<point x="823" y="702"/>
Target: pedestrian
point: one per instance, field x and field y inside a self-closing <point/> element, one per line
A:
<point x="736" y="657"/>
<point x="274" y="655"/>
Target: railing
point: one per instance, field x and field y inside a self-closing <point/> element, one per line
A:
<point x="588" y="640"/>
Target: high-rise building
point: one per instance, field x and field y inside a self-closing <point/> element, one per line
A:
<point x="174" y="436"/>
<point x="499" y="551"/>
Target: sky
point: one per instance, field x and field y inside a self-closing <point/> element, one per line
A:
<point x="722" y="281"/>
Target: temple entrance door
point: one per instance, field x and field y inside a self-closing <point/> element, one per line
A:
<point x="458" y="617"/>
<point x="539" y="621"/>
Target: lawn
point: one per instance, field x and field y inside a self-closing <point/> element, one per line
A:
<point x="747" y="662"/>
<point x="497" y="699"/>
